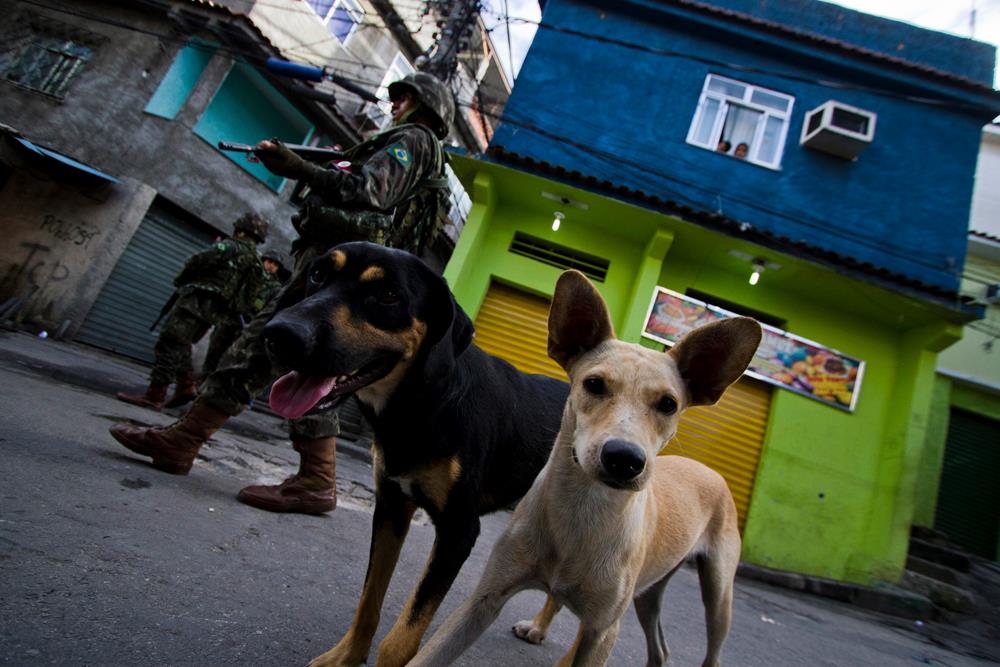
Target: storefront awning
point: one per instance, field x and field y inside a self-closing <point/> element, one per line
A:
<point x="57" y="164"/>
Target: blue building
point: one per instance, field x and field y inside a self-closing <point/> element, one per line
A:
<point x="673" y="149"/>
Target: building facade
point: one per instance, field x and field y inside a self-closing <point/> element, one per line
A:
<point x="958" y="493"/>
<point x="762" y="159"/>
<point x="111" y="114"/>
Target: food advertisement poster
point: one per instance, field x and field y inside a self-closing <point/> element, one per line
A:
<point x="783" y="359"/>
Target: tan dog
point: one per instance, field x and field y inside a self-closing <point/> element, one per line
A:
<point x="607" y="521"/>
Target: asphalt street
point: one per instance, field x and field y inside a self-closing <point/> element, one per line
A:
<point x="107" y="561"/>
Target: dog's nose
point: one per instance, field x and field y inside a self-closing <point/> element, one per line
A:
<point x="623" y="460"/>
<point x="287" y="342"/>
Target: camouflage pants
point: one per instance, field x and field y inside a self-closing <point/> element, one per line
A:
<point x="245" y="371"/>
<point x="185" y="324"/>
<point x="223" y="336"/>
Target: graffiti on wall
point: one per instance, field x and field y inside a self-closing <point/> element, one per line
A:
<point x="77" y="233"/>
<point x="38" y="268"/>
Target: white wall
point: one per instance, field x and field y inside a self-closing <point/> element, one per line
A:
<point x="985" y="215"/>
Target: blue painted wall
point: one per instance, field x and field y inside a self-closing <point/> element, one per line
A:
<point x="623" y="114"/>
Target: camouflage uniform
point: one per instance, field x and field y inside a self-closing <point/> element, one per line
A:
<point x="388" y="171"/>
<point x="226" y="331"/>
<point x="213" y="286"/>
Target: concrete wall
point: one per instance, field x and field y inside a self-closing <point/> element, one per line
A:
<point x="632" y="131"/>
<point x="101" y="121"/>
<point x="61" y="243"/>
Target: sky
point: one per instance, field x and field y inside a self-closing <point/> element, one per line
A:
<point x="952" y="16"/>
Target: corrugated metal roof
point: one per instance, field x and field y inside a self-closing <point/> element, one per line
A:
<point x="839" y="45"/>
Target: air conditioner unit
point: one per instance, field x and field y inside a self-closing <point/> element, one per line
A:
<point x="993" y="293"/>
<point x="838" y="129"/>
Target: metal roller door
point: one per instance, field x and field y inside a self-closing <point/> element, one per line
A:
<point x="140" y="283"/>
<point x="968" y="507"/>
<point x="514" y="325"/>
<point x="726" y="437"/>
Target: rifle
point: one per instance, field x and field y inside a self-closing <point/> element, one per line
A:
<point x="166" y="309"/>
<point x="311" y="153"/>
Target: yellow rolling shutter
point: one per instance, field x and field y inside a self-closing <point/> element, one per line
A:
<point x="727" y="437"/>
<point x="514" y="325"/>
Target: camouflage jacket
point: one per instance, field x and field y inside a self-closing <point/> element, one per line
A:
<point x="395" y="175"/>
<point x="230" y="268"/>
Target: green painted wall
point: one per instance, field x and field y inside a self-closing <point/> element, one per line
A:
<point x="835" y="491"/>
<point x="973" y="400"/>
<point x="929" y="477"/>
<point x="481" y="255"/>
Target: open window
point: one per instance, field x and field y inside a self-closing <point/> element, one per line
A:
<point x="741" y="120"/>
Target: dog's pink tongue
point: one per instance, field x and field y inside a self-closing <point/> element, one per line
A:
<point x="294" y="394"/>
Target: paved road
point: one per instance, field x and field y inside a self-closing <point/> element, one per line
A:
<point x="106" y="561"/>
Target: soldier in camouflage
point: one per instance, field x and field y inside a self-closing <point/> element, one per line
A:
<point x="214" y="286"/>
<point x="395" y="179"/>
<point x="225" y="333"/>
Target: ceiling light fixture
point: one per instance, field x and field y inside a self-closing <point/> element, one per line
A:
<point x="557" y="220"/>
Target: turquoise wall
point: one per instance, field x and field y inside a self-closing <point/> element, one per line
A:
<point x="246" y="109"/>
<point x="180" y="80"/>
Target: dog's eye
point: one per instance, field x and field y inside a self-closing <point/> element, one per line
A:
<point x="388" y="297"/>
<point x="316" y="276"/>
<point x="666" y="405"/>
<point x="595" y="386"/>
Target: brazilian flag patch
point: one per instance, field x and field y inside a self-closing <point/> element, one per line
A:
<point x="401" y="154"/>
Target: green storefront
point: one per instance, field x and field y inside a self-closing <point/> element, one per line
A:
<point x="822" y="490"/>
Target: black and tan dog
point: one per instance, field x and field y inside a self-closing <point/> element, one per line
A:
<point x="458" y="432"/>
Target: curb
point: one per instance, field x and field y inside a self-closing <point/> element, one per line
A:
<point x="886" y="598"/>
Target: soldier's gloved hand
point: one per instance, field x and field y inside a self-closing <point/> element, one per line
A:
<point x="281" y="161"/>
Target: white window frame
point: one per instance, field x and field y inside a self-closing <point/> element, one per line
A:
<point x="381" y="113"/>
<point x="354" y="11"/>
<point x="726" y="102"/>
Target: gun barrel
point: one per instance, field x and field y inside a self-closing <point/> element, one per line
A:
<point x="234" y="147"/>
<point x="311" y="153"/>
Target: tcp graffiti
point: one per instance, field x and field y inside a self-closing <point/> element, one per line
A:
<point x="38" y="271"/>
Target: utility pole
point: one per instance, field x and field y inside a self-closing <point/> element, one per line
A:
<point x="459" y="18"/>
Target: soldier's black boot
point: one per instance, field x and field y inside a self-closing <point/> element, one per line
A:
<point x="312" y="490"/>
<point x="185" y="391"/>
<point x="153" y="398"/>
<point x="173" y="448"/>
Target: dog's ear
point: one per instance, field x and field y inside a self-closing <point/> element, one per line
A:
<point x="712" y="357"/>
<point x="450" y="331"/>
<point x="578" y="319"/>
